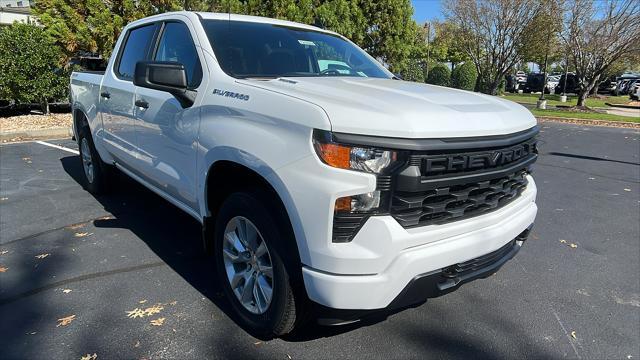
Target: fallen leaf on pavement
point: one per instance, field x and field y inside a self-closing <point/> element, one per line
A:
<point x="66" y="291"/>
<point x="3" y="269"/>
<point x="89" y="357"/>
<point x="153" y="310"/>
<point x="157" y="322"/>
<point x="42" y="256"/>
<point x="135" y="313"/>
<point x="82" y="234"/>
<point x="573" y="334"/>
<point x="66" y="320"/>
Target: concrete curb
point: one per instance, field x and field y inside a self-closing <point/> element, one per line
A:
<point x="40" y="134"/>
<point x="618" y="124"/>
<point x="622" y="106"/>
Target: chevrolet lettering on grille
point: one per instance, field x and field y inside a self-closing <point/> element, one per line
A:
<point x="442" y="164"/>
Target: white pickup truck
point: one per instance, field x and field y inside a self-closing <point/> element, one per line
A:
<point x="327" y="188"/>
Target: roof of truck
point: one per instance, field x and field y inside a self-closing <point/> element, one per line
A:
<point x="237" y="17"/>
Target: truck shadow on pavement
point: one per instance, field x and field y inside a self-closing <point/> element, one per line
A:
<point x="175" y="237"/>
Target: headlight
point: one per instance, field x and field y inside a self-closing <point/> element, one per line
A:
<point x="353" y="157"/>
<point x="351" y="212"/>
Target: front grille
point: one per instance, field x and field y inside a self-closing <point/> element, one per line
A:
<point x="467" y="267"/>
<point x="440" y="187"/>
<point x="446" y="204"/>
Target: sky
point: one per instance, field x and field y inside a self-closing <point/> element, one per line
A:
<point x="425" y="10"/>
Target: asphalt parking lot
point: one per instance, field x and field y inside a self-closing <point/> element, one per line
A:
<point x="74" y="269"/>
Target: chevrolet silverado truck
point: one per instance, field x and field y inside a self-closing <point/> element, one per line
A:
<point x="327" y="188"/>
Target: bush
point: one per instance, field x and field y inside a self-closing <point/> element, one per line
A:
<point x="439" y="75"/>
<point x="30" y="64"/>
<point x="413" y="71"/>
<point x="464" y="76"/>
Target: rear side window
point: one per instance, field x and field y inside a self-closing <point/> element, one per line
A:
<point x="176" y="45"/>
<point x="135" y="49"/>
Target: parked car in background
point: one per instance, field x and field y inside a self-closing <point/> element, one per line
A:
<point x="535" y="83"/>
<point x="608" y="86"/>
<point x="572" y="84"/>
<point x="625" y="82"/>
<point x="325" y="187"/>
<point x="552" y="82"/>
<point x="634" y="92"/>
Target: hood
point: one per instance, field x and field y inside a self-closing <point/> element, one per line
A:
<point x="392" y="108"/>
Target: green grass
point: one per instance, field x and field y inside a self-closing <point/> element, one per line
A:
<point x="583" y="115"/>
<point x="553" y="99"/>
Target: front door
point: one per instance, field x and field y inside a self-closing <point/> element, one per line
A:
<point x="167" y="133"/>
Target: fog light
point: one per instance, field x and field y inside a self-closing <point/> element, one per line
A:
<point x="359" y="203"/>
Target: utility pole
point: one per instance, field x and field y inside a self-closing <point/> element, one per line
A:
<point x="427" y="26"/>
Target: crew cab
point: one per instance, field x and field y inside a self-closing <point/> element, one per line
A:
<point x="327" y="188"/>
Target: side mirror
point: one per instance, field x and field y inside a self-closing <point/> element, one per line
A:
<point x="165" y="76"/>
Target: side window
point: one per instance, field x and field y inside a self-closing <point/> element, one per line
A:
<point x="176" y="45"/>
<point x="135" y="49"/>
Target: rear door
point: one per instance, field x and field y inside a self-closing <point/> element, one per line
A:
<point x="167" y="132"/>
<point x="118" y="92"/>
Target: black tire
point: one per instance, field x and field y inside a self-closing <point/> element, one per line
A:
<point x="287" y="308"/>
<point x="99" y="182"/>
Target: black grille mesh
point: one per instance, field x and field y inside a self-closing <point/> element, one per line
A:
<point x="449" y="203"/>
<point x="478" y="263"/>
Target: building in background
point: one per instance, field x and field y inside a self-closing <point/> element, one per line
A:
<point x="15" y="10"/>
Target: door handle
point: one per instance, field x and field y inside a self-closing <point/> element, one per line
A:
<point x="105" y="95"/>
<point x="143" y="104"/>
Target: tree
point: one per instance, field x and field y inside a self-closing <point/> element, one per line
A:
<point x="597" y="34"/>
<point x="491" y="32"/>
<point x="385" y="29"/>
<point x="439" y="75"/>
<point x="464" y="76"/>
<point x="446" y="45"/>
<point x="94" y="25"/>
<point x="391" y="34"/>
<point x="541" y="40"/>
<point x="30" y="64"/>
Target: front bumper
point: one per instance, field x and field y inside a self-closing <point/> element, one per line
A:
<point x="391" y="257"/>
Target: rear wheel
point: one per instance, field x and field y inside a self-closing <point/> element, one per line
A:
<point x="96" y="172"/>
<point x="253" y="268"/>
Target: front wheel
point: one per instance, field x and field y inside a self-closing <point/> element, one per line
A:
<point x="253" y="267"/>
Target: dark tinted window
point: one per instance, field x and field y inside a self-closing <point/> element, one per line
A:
<point x="135" y="50"/>
<point x="176" y="45"/>
<point x="246" y="49"/>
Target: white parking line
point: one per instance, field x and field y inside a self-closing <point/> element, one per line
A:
<point x="59" y="147"/>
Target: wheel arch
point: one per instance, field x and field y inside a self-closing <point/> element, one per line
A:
<point x="226" y="175"/>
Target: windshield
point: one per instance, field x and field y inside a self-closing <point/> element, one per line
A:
<point x="247" y="49"/>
